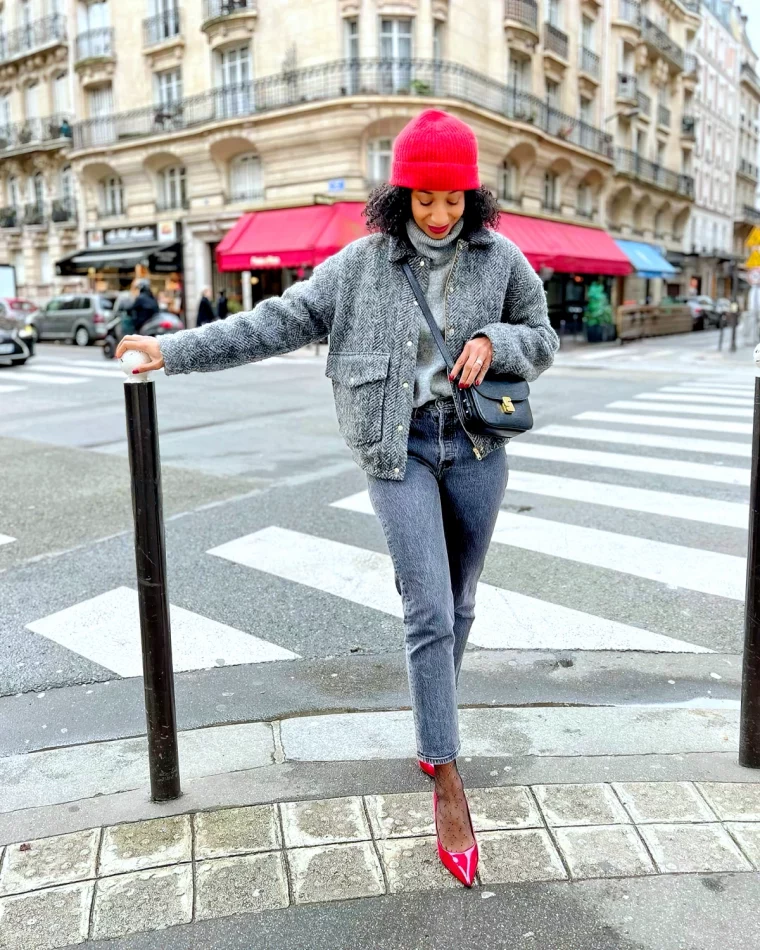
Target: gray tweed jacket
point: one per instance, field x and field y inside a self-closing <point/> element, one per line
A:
<point x="362" y="301"/>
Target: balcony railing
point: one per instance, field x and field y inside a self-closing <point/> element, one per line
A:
<point x="660" y="40"/>
<point x="589" y="213"/>
<point x="688" y="126"/>
<point x="690" y="64"/>
<point x="555" y="40"/>
<point x="751" y="214"/>
<point x="111" y="210"/>
<point x="629" y="11"/>
<point x="693" y="6"/>
<point x="748" y="168"/>
<point x="95" y="44"/>
<point x="522" y="11"/>
<point x="747" y="72"/>
<point x="34" y="213"/>
<point x="63" y="211"/>
<point x="165" y="26"/>
<point x="631" y="163"/>
<point x="169" y="203"/>
<point x="35" y="131"/>
<point x="218" y="8"/>
<point x="9" y="217"/>
<point x="365" y="78"/>
<point x="551" y="205"/>
<point x="245" y="194"/>
<point x="32" y="36"/>
<point x="644" y="103"/>
<point x="589" y="62"/>
<point x="663" y="116"/>
<point x="627" y="86"/>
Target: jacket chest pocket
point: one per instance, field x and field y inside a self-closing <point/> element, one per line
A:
<point x="359" y="389"/>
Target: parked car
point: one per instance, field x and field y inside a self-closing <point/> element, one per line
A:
<point x="79" y="318"/>
<point x="16" y="336"/>
<point x="702" y="310"/>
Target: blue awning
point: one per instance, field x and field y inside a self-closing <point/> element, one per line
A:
<point x="647" y="260"/>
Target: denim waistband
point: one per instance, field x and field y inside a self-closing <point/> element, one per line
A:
<point x="443" y="404"/>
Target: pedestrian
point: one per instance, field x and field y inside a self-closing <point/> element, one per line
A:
<point x="222" y="307"/>
<point x="144" y="307"/>
<point x="435" y="487"/>
<point x="205" y="308"/>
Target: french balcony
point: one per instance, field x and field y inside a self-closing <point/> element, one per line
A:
<point x="46" y="134"/>
<point x="112" y="209"/>
<point x="688" y="127"/>
<point x="95" y="44"/>
<point x="589" y="63"/>
<point x="629" y="11"/>
<point x="660" y="43"/>
<point x="556" y="42"/>
<point x="163" y="28"/>
<point x="172" y="203"/>
<point x="521" y="18"/>
<point x="627" y="88"/>
<point x="63" y="211"/>
<point x="750" y="215"/>
<point x="644" y="104"/>
<point x="34" y="214"/>
<point x="49" y="31"/>
<point x="229" y="21"/>
<point x="634" y="166"/>
<point x="552" y="206"/>
<point x="588" y="213"/>
<point x="253" y="195"/>
<point x="748" y="169"/>
<point x="367" y="79"/>
<point x="663" y="116"/>
<point x="213" y="9"/>
<point x="9" y="218"/>
<point x="748" y="75"/>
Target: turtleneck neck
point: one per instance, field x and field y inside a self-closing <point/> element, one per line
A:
<point x="426" y="245"/>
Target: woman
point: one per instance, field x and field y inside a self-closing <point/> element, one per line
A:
<point x="436" y="488"/>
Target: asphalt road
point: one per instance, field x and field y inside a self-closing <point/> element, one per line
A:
<point x="620" y="551"/>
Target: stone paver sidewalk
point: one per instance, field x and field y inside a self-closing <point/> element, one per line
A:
<point x="148" y="875"/>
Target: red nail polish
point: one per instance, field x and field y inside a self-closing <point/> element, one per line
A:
<point x="135" y="371"/>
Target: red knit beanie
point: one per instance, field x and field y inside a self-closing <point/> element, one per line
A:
<point x="436" y="152"/>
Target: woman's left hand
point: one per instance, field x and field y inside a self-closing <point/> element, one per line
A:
<point x="473" y="362"/>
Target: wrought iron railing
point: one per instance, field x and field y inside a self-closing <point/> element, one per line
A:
<point x="63" y="211"/>
<point x="644" y="102"/>
<point x="752" y="214"/>
<point x="170" y="203"/>
<point x="748" y="168"/>
<point x="34" y="213"/>
<point x="589" y="213"/>
<point x="555" y="40"/>
<point x="165" y="26"/>
<point x="365" y="78"/>
<point x="627" y="86"/>
<point x="32" y="131"/>
<point x="660" y="40"/>
<point x="218" y="8"/>
<point x="552" y="205"/>
<point x="9" y="217"/>
<point x="663" y="115"/>
<point x="631" y="163"/>
<point x="747" y="72"/>
<point x="111" y="209"/>
<point x="31" y="36"/>
<point x="95" y="44"/>
<point x="589" y="62"/>
<point x="693" y="6"/>
<point x="245" y="194"/>
<point x="629" y="11"/>
<point x="688" y="126"/>
<point x="522" y="11"/>
<point x="690" y="64"/>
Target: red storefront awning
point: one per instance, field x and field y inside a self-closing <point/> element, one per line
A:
<point x="290" y="237"/>
<point x="567" y="248"/>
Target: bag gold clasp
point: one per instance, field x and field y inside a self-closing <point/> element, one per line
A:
<point x="507" y="404"/>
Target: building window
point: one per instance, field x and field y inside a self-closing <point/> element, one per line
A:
<point x="587" y="111"/>
<point x="20" y="265"/>
<point x="61" y="94"/>
<point x="245" y="178"/>
<point x="439" y="33"/>
<point x="587" y="33"/>
<point x="37" y="191"/>
<point x="555" y="13"/>
<point x="585" y="207"/>
<point x="5" y="115"/>
<point x="351" y="38"/>
<point x="508" y="181"/>
<point x="379" y="155"/>
<point x="551" y="191"/>
<point x="396" y="54"/>
<point x="519" y="73"/>
<point x="234" y="78"/>
<point x="31" y="101"/>
<point x="66" y="186"/>
<point x="13" y="192"/>
<point x="100" y="108"/>
<point x="168" y="88"/>
<point x="172" y="192"/>
<point x="552" y="93"/>
<point x="112" y="196"/>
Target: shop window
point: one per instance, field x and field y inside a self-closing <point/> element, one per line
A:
<point x="245" y="178"/>
<point x="508" y="181"/>
<point x="171" y="188"/>
<point x="379" y="153"/>
<point x="112" y="196"/>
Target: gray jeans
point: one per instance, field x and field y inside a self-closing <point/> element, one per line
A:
<point x="438" y="522"/>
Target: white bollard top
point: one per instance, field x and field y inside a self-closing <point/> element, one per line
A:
<point x="132" y="359"/>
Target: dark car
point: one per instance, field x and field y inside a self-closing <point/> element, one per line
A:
<point x="16" y="336"/>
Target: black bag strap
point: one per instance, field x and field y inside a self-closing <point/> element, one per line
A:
<point x="434" y="328"/>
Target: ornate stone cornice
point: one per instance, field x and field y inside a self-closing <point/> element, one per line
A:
<point x="398" y="7"/>
<point x="349" y="8"/>
<point x="441" y="10"/>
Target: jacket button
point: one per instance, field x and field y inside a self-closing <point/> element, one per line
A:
<point x="400" y="428"/>
<point x="405" y="385"/>
<point x="396" y="471"/>
<point x="350" y="379"/>
<point x="408" y="342"/>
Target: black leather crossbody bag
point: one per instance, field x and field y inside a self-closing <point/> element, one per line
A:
<point x="499" y="405"/>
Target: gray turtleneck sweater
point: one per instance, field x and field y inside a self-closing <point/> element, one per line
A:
<point x="431" y="378"/>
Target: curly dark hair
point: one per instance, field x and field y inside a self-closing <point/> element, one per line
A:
<point x="390" y="207"/>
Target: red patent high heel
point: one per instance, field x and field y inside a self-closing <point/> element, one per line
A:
<point x="462" y="864"/>
<point x="427" y="768"/>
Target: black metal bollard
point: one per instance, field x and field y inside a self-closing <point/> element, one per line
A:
<point x="150" y="557"/>
<point x="749" y="729"/>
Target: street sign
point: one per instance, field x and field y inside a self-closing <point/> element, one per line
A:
<point x="339" y="184"/>
<point x="753" y="260"/>
<point x="753" y="277"/>
<point x="754" y="238"/>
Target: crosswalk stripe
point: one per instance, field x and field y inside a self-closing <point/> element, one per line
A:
<point x="11" y="389"/>
<point x="668" y="504"/>
<point x="706" y="572"/>
<point x="106" y="630"/>
<point x="92" y="373"/>
<point x="6" y="539"/>
<point x="670" y="422"/>
<point x="747" y="387"/>
<point x="504" y="619"/>
<point x="706" y="400"/>
<point x="650" y="439"/>
<point x="723" y="474"/>
<point x="27" y="376"/>
<point x="676" y="408"/>
<point x="74" y="361"/>
<point x="707" y="393"/>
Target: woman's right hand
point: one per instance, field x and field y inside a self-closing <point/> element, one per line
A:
<point x="145" y="344"/>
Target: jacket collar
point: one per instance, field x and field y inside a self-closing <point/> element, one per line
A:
<point x="399" y="249"/>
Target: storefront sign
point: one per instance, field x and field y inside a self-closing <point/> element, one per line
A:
<point x="270" y="260"/>
<point x="136" y="234"/>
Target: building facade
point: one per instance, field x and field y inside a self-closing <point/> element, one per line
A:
<point x="747" y="208"/>
<point x="117" y="128"/>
